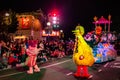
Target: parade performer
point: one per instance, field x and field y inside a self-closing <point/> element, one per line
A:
<point x="32" y="53"/>
<point x="82" y="54"/>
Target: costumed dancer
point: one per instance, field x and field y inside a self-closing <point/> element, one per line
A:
<point x="32" y="53"/>
<point x="82" y="54"/>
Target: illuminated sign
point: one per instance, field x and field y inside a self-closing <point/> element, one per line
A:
<point x="54" y="33"/>
<point x="25" y="23"/>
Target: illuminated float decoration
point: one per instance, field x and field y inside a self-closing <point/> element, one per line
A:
<point x="98" y="30"/>
<point x="103" y="50"/>
<point x="104" y="21"/>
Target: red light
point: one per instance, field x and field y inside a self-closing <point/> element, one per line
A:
<point x="54" y="14"/>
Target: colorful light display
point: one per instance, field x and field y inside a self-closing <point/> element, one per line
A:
<point x="104" y="52"/>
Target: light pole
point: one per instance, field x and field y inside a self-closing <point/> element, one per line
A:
<point x="95" y="19"/>
<point x="61" y="34"/>
<point x="32" y="28"/>
<point x="109" y="18"/>
<point x="48" y="31"/>
<point x="7" y="19"/>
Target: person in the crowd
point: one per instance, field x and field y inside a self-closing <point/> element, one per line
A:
<point x="12" y="60"/>
<point x="4" y="60"/>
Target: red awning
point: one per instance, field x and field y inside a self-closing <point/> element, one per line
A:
<point x="102" y="20"/>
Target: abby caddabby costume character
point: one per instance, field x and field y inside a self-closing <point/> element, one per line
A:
<point x="82" y="55"/>
<point x="32" y="52"/>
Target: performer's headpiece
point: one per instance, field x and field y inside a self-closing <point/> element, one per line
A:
<point x="32" y="43"/>
<point x="79" y="29"/>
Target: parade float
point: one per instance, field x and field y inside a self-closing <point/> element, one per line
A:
<point x="102" y="40"/>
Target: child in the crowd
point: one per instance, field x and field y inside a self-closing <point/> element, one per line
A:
<point x="61" y="54"/>
<point x="23" y="53"/>
<point x="43" y="57"/>
<point x="55" y="53"/>
<point x="12" y="60"/>
<point x="4" y="60"/>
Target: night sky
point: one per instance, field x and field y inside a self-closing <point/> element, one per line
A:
<point x="71" y="12"/>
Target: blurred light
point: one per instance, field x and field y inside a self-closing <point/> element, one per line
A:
<point x="54" y="33"/>
<point x="54" y="14"/>
<point x="54" y="18"/>
<point x="7" y="14"/>
<point x="54" y="22"/>
<point x="57" y="25"/>
<point x="61" y="31"/>
<point x="54" y="26"/>
<point x="48" y="23"/>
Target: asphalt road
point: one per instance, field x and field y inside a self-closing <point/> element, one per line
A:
<point x="63" y="69"/>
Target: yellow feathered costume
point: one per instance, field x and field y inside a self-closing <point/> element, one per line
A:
<point x="82" y="55"/>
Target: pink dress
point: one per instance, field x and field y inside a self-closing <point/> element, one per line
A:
<point x="32" y="56"/>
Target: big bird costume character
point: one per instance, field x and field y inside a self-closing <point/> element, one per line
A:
<point x="32" y="52"/>
<point x="82" y="54"/>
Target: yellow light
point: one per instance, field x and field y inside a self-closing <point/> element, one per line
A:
<point x="95" y="18"/>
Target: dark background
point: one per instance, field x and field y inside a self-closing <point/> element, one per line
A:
<point x="71" y="12"/>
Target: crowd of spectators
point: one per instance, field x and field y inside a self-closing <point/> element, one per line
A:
<point x="13" y="53"/>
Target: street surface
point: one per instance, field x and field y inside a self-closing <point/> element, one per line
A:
<point x="63" y="69"/>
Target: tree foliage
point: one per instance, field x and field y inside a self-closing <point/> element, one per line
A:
<point x="9" y="23"/>
<point x="13" y="26"/>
